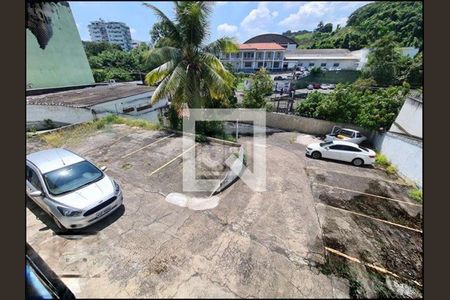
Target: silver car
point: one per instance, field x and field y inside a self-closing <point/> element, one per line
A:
<point x="70" y="188"/>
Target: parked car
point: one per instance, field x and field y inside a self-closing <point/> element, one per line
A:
<point x="316" y="86"/>
<point x="278" y="78"/>
<point x="72" y="190"/>
<point x="343" y="151"/>
<point x="325" y="86"/>
<point x="289" y="77"/>
<point x="332" y="86"/>
<point x="310" y="87"/>
<point x="345" y="134"/>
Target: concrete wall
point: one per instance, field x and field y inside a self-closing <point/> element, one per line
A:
<point x="63" y="62"/>
<point x="403" y="152"/>
<point x="409" y="120"/>
<point x="60" y="115"/>
<point x="306" y="125"/>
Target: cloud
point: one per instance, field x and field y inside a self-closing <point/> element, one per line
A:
<point x="132" y="30"/>
<point x="259" y="19"/>
<point x="227" y="29"/>
<point x="220" y="3"/>
<point x="310" y="14"/>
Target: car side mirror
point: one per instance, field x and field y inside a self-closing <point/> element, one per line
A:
<point x="103" y="168"/>
<point x="36" y="194"/>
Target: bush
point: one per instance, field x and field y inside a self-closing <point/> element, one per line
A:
<point x="175" y="122"/>
<point x="391" y="170"/>
<point x="349" y="104"/>
<point x="415" y="194"/>
<point x="381" y="160"/>
<point x="269" y="107"/>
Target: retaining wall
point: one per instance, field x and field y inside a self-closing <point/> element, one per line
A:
<point x="307" y="125"/>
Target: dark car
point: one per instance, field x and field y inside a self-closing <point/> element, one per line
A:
<point x="278" y="78"/>
<point x="316" y="86"/>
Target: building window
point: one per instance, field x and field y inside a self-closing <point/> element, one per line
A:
<point x="260" y="64"/>
<point x="248" y="55"/>
<point x="336" y="65"/>
<point x="247" y="65"/>
<point x="276" y="65"/>
<point x="259" y="55"/>
<point x="323" y="64"/>
<point x="311" y="64"/>
<point x="278" y="55"/>
<point x="300" y="64"/>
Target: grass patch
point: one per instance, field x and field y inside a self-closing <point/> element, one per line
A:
<point x="415" y="194"/>
<point x="381" y="160"/>
<point x="77" y="133"/>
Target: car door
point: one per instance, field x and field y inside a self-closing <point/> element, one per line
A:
<point x="340" y="152"/>
<point x="34" y="183"/>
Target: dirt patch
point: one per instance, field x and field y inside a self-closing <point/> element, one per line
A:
<point x="375" y="207"/>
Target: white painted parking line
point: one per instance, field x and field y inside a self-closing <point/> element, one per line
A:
<point x="345" y="173"/>
<point x="377" y="268"/>
<point x="171" y="161"/>
<point x="367" y="194"/>
<point x="370" y="217"/>
<point x="137" y="150"/>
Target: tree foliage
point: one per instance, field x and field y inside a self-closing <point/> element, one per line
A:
<point x="188" y="71"/>
<point x="260" y="85"/>
<point x="386" y="66"/>
<point x="109" y="61"/>
<point x="402" y="19"/>
<point x="366" y="107"/>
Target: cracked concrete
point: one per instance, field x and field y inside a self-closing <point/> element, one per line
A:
<point x="265" y="244"/>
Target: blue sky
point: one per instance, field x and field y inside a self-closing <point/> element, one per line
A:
<point x="240" y="20"/>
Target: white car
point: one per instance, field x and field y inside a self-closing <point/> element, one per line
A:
<point x="73" y="191"/>
<point x="343" y="151"/>
<point x="346" y="135"/>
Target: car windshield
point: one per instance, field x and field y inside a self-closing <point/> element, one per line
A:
<point x="346" y="133"/>
<point x="325" y="144"/>
<point x="71" y="178"/>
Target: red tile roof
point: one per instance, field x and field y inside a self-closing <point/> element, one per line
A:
<point x="261" y="46"/>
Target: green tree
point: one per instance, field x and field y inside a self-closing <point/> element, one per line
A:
<point x="260" y="85"/>
<point x="188" y="71"/>
<point x="160" y="33"/>
<point x="95" y="48"/>
<point x="384" y="62"/>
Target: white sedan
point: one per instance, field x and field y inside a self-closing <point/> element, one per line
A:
<point x="344" y="151"/>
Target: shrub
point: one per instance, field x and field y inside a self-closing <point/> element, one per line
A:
<point x="381" y="160"/>
<point x="415" y="194"/>
<point x="391" y="170"/>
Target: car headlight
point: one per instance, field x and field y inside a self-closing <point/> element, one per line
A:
<point x="67" y="212"/>
<point x="116" y="186"/>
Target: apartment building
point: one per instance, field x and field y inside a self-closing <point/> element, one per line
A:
<point x="112" y="32"/>
<point x="254" y="56"/>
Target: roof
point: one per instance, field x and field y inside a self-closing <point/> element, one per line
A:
<point x="53" y="159"/>
<point x="260" y="46"/>
<point x="271" y="38"/>
<point x="336" y="142"/>
<point x="90" y="96"/>
<point x="319" y="54"/>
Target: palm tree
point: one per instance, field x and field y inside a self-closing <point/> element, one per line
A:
<point x="188" y="70"/>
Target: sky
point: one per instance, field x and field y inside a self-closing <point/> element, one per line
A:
<point x="240" y="20"/>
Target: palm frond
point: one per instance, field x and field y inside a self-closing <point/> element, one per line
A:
<point x="159" y="73"/>
<point x="224" y="45"/>
<point x="174" y="33"/>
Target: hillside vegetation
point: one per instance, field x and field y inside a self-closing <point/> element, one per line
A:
<point x="402" y="20"/>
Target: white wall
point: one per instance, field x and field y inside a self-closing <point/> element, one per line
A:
<point x="404" y="153"/>
<point x="58" y="114"/>
<point x="409" y="119"/>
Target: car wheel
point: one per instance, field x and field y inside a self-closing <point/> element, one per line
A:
<point x="316" y="155"/>
<point x="358" y="162"/>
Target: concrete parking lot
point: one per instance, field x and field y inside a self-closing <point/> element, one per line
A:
<point x="252" y="244"/>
